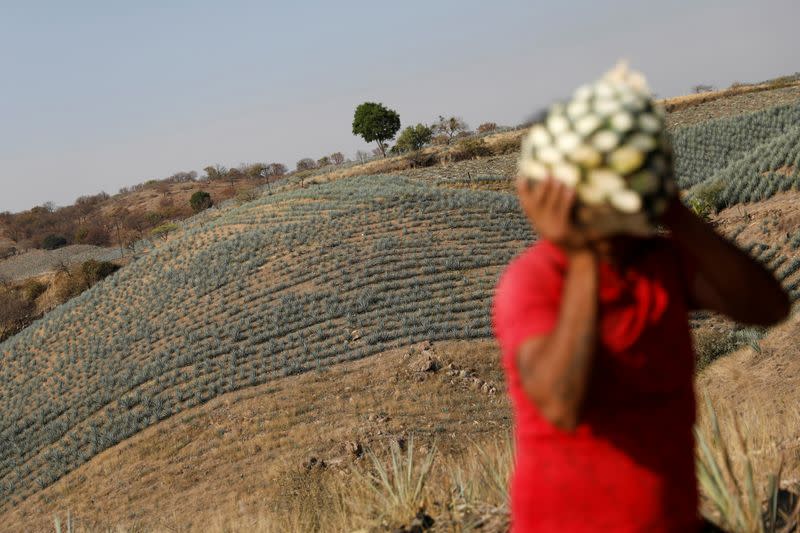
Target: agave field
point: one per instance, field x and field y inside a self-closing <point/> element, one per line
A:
<point x="750" y="157"/>
<point x="285" y="284"/>
<point x="308" y="278"/>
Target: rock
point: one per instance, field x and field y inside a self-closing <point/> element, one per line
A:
<point x="314" y="463"/>
<point x="425" y="362"/>
<point x="488" y="388"/>
<point x="422" y="522"/>
<point x="355" y="335"/>
<point x="463" y="373"/>
<point x="354" y="449"/>
<point x="476" y="383"/>
<point x="401" y="443"/>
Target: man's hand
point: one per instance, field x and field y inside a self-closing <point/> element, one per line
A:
<point x="548" y="206"/>
<point x="725" y="279"/>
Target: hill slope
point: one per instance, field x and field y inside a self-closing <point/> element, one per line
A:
<point x="286" y="284"/>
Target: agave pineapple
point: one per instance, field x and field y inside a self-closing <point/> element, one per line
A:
<point x="608" y="143"/>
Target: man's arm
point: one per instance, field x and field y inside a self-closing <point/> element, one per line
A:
<point x="554" y="369"/>
<point x="726" y="280"/>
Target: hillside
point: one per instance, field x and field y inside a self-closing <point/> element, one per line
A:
<point x="289" y="283"/>
<point x="264" y="334"/>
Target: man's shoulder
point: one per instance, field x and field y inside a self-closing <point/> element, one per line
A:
<point x="541" y="255"/>
<point x="538" y="263"/>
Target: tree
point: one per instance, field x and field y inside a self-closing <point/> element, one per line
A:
<point x="323" y="161"/>
<point x="374" y="122"/>
<point x="450" y="127"/>
<point x="235" y="174"/>
<point x="337" y="158"/>
<point x="200" y="201"/>
<point x="414" y="137"/>
<point x="254" y="170"/>
<point x="276" y="169"/>
<point x="217" y="172"/>
<point x="306" y="164"/>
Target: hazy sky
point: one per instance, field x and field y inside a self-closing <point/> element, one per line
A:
<point x="96" y="95"/>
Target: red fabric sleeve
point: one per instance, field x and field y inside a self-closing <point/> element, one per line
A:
<point x="526" y="302"/>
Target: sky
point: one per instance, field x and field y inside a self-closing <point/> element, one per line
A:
<point x="97" y="95"/>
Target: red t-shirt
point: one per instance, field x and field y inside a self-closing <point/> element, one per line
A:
<point x="629" y="465"/>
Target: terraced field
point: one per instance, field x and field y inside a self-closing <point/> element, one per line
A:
<point x="751" y="156"/>
<point x="285" y="284"/>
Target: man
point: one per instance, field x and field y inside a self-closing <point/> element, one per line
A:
<point x="599" y="363"/>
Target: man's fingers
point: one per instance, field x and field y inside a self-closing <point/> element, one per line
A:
<point x="565" y="201"/>
<point x="552" y="196"/>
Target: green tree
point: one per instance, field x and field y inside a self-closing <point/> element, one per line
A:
<point x="414" y="137"/>
<point x="200" y="201"/>
<point x="374" y="122"/>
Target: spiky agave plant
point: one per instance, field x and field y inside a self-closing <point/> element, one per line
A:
<point x="608" y="143"/>
<point x="740" y="506"/>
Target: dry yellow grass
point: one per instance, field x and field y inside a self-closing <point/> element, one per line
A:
<point x="680" y="102"/>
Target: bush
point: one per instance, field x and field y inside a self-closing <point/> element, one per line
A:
<point x="470" y="149"/>
<point x="711" y="344"/>
<point x="6" y="252"/>
<point x="306" y="164"/>
<point x="246" y="195"/>
<point x="440" y="140"/>
<point x="200" y="201"/>
<point x="506" y="146"/>
<point x="32" y="289"/>
<point x="15" y="312"/>
<point x="53" y="242"/>
<point x="95" y="271"/>
<point x="419" y="159"/>
<point x="486" y="127"/>
<point x="413" y="138"/>
<point x="164" y="230"/>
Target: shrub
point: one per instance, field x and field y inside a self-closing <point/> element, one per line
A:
<point x="711" y="344"/>
<point x="164" y="230"/>
<point x="32" y="289"/>
<point x="414" y="137"/>
<point x="470" y="149"/>
<point x="419" y="159"/>
<point x="200" y="201"/>
<point x="15" y="312"/>
<point x="306" y="164"/>
<point x="6" y="252"/>
<point x="94" y="271"/>
<point x="486" y="127"/>
<point x="506" y="146"/>
<point x="53" y="242"/>
<point x="247" y="195"/>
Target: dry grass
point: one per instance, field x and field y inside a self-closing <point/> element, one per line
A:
<point x="689" y="100"/>
<point x="391" y="489"/>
